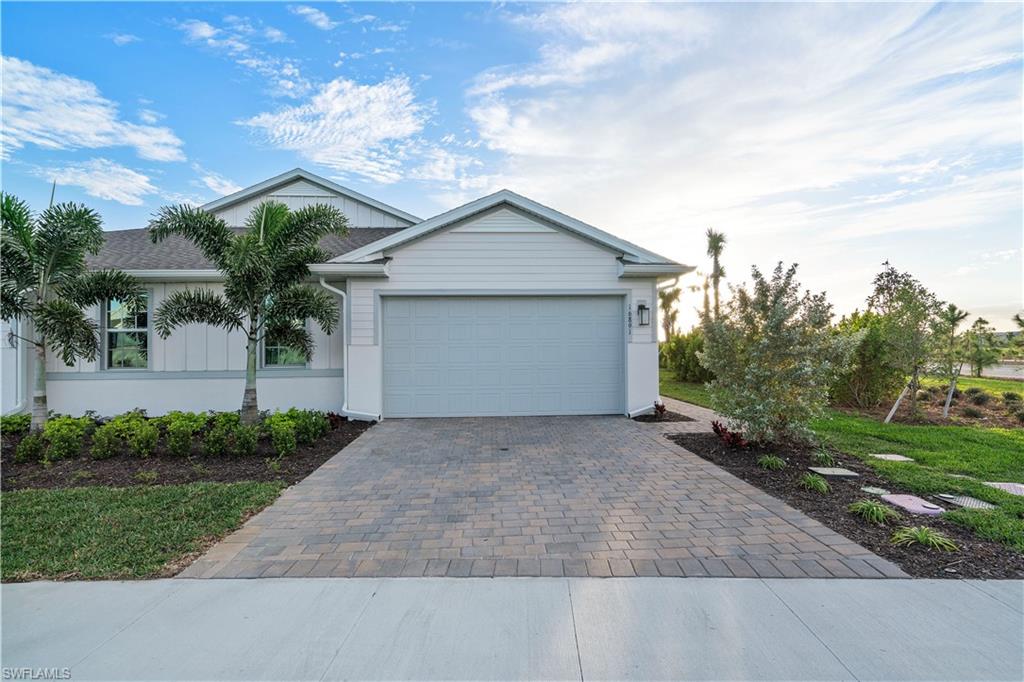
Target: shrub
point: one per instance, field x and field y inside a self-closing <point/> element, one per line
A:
<point x="771" y="463"/>
<point x="142" y="436"/>
<point x="924" y="536"/>
<point x="1011" y="397"/>
<point x="105" y="441"/>
<point x="823" y="459"/>
<point x="733" y="439"/>
<point x="980" y="399"/>
<point x="218" y="439"/>
<point x="956" y="391"/>
<point x="146" y="477"/>
<point x="682" y="357"/>
<point x="335" y="420"/>
<point x="972" y="412"/>
<point x="64" y="436"/>
<point x="181" y="427"/>
<point x="281" y="429"/>
<point x="15" y="424"/>
<point x="873" y="511"/>
<point x="871" y="377"/>
<point x="244" y="439"/>
<point x="309" y="424"/>
<point x="923" y="396"/>
<point x="273" y="464"/>
<point x="31" y="448"/>
<point x="1020" y="416"/>
<point x="814" y="483"/>
<point x="973" y="390"/>
<point x="774" y="358"/>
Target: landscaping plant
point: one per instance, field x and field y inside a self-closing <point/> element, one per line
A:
<point x="814" y="483"/>
<point x="823" y="459"/>
<point x="15" y="424"/>
<point x="64" y="436"/>
<point x="181" y="428"/>
<point x="874" y="511"/>
<point x="682" y="357"/>
<point x="733" y="439"/>
<point x="716" y="244"/>
<point x="774" y="357"/>
<point x="924" y="536"/>
<point x="31" y="448"/>
<point x="281" y="429"/>
<point x="771" y="463"/>
<point x="950" y="355"/>
<point x="667" y="299"/>
<point x="46" y="287"/>
<point x="871" y="376"/>
<point x="264" y="269"/>
<point x="981" y="347"/>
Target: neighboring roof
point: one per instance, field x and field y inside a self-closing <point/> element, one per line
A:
<point x="300" y="174"/>
<point x="630" y="252"/>
<point x="133" y="249"/>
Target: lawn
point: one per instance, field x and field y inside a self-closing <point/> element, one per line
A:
<point x="135" y="532"/>
<point x="994" y="386"/>
<point x="938" y="452"/>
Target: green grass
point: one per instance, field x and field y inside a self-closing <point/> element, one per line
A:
<point x="100" y="532"/>
<point x="993" y="386"/>
<point x="681" y="390"/>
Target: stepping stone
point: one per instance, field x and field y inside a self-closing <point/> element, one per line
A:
<point x="892" y="458"/>
<point x="834" y="472"/>
<point x="914" y="504"/>
<point x="966" y="501"/>
<point x="875" y="491"/>
<point x="1012" y="488"/>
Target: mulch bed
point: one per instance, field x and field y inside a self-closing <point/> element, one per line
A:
<point x="122" y="470"/>
<point x="995" y="413"/>
<point x="669" y="416"/>
<point x="977" y="558"/>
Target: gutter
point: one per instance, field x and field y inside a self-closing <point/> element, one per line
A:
<point x="332" y="269"/>
<point x="361" y="416"/>
<point x="654" y="270"/>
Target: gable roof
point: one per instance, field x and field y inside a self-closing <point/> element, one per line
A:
<point x="630" y="252"/>
<point x="134" y="250"/>
<point x="301" y="174"/>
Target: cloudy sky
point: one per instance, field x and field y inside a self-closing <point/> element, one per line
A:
<point x="834" y="136"/>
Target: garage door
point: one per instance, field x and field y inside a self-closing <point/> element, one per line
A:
<point x="481" y="356"/>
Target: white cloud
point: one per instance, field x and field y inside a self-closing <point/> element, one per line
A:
<point x="216" y="182"/>
<point x="275" y="35"/>
<point x="197" y="31"/>
<point x="313" y="16"/>
<point x="149" y="116"/>
<point x="121" y="39"/>
<point x="351" y="128"/>
<point x="56" y="111"/>
<point x="102" y="178"/>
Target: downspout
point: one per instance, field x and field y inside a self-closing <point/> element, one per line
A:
<point x="344" y="354"/>
<point x="20" y="366"/>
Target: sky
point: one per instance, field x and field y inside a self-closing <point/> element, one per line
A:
<point x="834" y="136"/>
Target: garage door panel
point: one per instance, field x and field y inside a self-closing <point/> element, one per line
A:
<point x="461" y="356"/>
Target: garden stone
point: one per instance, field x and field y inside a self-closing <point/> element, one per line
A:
<point x="914" y="504"/>
<point x="834" y="472"/>
<point x="1012" y="488"/>
<point x="966" y="501"/>
<point x="875" y="491"/>
<point x="892" y="458"/>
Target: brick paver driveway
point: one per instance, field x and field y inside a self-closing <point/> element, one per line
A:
<point x="575" y="496"/>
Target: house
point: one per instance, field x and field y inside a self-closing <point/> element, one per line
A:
<point x="502" y="306"/>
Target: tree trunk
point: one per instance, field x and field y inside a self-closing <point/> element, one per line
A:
<point x="250" y="407"/>
<point x="915" y="384"/>
<point x="39" y="409"/>
<point x="952" y="389"/>
<point x="895" y="407"/>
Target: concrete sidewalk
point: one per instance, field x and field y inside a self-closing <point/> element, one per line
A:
<point x="560" y="628"/>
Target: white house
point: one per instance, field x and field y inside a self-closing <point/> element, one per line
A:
<point x="498" y="307"/>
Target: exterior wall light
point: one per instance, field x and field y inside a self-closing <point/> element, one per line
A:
<point x="643" y="314"/>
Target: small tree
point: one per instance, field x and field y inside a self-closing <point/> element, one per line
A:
<point x="948" y="349"/>
<point x="980" y="346"/>
<point x="47" y="288"/>
<point x="774" y="357"/>
<point x="667" y="299"/>
<point x="871" y="376"/>
<point x="716" y="244"/>
<point x="263" y="267"/>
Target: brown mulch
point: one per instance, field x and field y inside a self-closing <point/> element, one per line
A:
<point x="977" y="558"/>
<point x="122" y="469"/>
<point x="994" y="414"/>
<point x="669" y="416"/>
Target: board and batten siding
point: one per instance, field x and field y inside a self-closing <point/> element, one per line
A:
<point x="300" y="193"/>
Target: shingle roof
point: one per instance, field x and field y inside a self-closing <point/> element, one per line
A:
<point x="133" y="250"/>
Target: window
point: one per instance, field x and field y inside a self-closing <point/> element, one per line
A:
<point x="277" y="354"/>
<point x="127" y="336"/>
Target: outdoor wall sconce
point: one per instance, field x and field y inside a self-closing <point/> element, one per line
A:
<point x="643" y="314"/>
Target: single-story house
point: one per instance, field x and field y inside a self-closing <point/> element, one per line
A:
<point x="502" y="306"/>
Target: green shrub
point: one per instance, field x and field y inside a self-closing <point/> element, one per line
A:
<point x="309" y="425"/>
<point x="924" y="536"/>
<point x="1011" y="397"/>
<point x="140" y="434"/>
<point x="64" y="436"/>
<point x="980" y="399"/>
<point x="971" y="412"/>
<point x="147" y="477"/>
<point x="14" y="424"/>
<point x="32" y="448"/>
<point x="771" y="463"/>
<point x="873" y="511"/>
<point x="1019" y="414"/>
<point x="923" y="396"/>
<point x="181" y="428"/>
<point x="973" y="390"/>
<point x="105" y="440"/>
<point x="245" y="439"/>
<point x="872" y="376"/>
<point x="823" y="459"/>
<point x="218" y="439"/>
<point x="680" y="355"/>
<point x="814" y="483"/>
<point x="281" y="430"/>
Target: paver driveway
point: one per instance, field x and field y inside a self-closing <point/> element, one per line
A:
<point x="576" y="496"/>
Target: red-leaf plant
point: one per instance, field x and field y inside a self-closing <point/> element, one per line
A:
<point x="733" y="439"/>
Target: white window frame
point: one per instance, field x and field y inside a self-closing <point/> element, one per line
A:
<point x="263" y="355"/>
<point x="107" y="330"/>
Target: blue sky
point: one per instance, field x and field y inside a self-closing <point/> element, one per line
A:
<point x="836" y="136"/>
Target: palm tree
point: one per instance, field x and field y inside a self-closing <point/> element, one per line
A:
<point x="47" y="287"/>
<point x="951" y="357"/>
<point x="264" y="267"/>
<point x="667" y="299"/>
<point x="716" y="244"/>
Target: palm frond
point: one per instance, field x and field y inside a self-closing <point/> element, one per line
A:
<point x="67" y="330"/>
<point x="265" y="219"/>
<point x="65" y="234"/>
<point x="287" y="333"/>
<point x="308" y="225"/>
<point x="195" y="306"/>
<point x="303" y="302"/>
<point x="13" y="303"/>
<point x="95" y="287"/>
<point x="208" y="232"/>
<point x="292" y="266"/>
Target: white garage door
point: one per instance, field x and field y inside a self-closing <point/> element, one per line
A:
<point x="479" y="356"/>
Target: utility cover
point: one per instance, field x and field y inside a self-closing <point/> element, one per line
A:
<point x="834" y="472"/>
<point x="892" y="458"/>
<point x="966" y="501"/>
<point x="1012" y="488"/>
<point x="914" y="504"/>
<point x="875" y="491"/>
